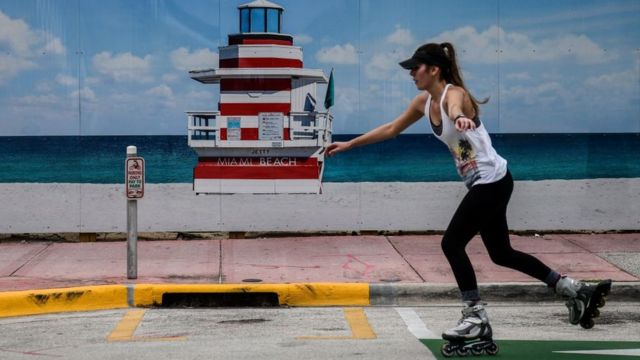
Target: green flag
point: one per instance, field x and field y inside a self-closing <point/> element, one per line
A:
<point x="328" y="98"/>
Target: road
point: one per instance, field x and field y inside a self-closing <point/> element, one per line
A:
<point x="522" y="330"/>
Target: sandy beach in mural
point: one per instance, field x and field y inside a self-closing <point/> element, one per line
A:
<point x="595" y="204"/>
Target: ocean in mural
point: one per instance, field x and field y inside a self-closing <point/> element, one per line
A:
<point x="408" y="158"/>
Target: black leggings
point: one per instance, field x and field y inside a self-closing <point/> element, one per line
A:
<point x="484" y="210"/>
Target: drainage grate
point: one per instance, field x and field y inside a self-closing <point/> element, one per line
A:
<point x="204" y="300"/>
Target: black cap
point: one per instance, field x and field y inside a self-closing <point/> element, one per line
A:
<point x="422" y="57"/>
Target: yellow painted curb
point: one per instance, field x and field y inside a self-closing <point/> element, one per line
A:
<point x="88" y="298"/>
<point x="327" y="294"/>
<point x="312" y="294"/>
<point x="104" y="297"/>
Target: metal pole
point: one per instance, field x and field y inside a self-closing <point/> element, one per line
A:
<point x="132" y="228"/>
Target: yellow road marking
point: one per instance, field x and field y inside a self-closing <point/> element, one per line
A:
<point x="127" y="327"/>
<point x="360" y="328"/>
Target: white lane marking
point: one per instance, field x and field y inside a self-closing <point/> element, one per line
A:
<point x="415" y="324"/>
<point x="621" y="352"/>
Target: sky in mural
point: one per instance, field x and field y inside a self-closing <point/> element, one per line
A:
<point x="120" y="67"/>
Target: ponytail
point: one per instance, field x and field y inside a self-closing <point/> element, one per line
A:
<point x="451" y="73"/>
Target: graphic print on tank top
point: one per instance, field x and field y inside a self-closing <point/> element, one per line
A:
<point x="465" y="159"/>
<point x="476" y="160"/>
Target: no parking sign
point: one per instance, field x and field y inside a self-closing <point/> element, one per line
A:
<point x="134" y="178"/>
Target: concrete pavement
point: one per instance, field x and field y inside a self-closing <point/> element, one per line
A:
<point x="522" y="331"/>
<point x="328" y="270"/>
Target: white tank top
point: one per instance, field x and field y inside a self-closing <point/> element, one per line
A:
<point x="476" y="159"/>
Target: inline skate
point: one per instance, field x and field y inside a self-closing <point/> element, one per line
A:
<point x="583" y="299"/>
<point x="472" y="335"/>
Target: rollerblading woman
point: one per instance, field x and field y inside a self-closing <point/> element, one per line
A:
<point x="453" y="114"/>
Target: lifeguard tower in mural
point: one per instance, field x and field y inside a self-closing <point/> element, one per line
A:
<point x="267" y="136"/>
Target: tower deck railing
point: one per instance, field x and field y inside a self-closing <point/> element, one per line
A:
<point x="306" y="128"/>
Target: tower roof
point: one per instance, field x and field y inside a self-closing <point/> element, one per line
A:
<point x="261" y="4"/>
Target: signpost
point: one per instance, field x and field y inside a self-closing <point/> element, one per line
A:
<point x="134" y="181"/>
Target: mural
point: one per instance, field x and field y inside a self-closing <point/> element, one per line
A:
<point x="81" y="80"/>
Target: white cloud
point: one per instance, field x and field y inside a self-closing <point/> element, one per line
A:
<point x="91" y="80"/>
<point x="11" y="66"/>
<point x="347" y="101"/>
<point x="339" y="54"/>
<point x="45" y="114"/>
<point x="123" y="99"/>
<point x="170" y="77"/>
<point x="541" y="94"/>
<point x="161" y="91"/>
<point x="579" y="47"/>
<point x="479" y="47"/>
<point x="161" y="95"/>
<point x="384" y="66"/>
<point x="198" y="100"/>
<point x="383" y="63"/>
<point x="43" y="87"/>
<point x="584" y="14"/>
<point x="36" y="100"/>
<point x="621" y="89"/>
<point x="302" y="39"/>
<point x="625" y="79"/>
<point x="185" y="60"/>
<point x="124" y="67"/>
<point x="202" y="95"/>
<point x="401" y="36"/>
<point x="85" y="94"/>
<point x="386" y="101"/>
<point x="19" y="46"/>
<point x="523" y="76"/>
<point x="494" y="43"/>
<point x="66" y="80"/>
<point x="53" y="46"/>
<point x="17" y="35"/>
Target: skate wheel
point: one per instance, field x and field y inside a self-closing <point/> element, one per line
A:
<point x="602" y="302"/>
<point x="447" y="351"/>
<point x="596" y="313"/>
<point x="477" y="352"/>
<point x="463" y="351"/>
<point x="587" y="323"/>
<point x="492" y="349"/>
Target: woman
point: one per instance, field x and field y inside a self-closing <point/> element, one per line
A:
<point x="454" y="117"/>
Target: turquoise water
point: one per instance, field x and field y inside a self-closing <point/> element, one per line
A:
<point x="410" y="158"/>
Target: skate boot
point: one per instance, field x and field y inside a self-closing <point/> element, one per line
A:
<point x="575" y="293"/>
<point x="583" y="300"/>
<point x="472" y="334"/>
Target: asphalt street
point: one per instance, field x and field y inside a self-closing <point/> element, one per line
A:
<point x="522" y="330"/>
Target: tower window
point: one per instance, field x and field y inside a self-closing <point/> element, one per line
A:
<point x="244" y="20"/>
<point x="273" y="20"/>
<point x="258" y="18"/>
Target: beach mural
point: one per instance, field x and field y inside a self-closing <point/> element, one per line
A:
<point x="80" y="80"/>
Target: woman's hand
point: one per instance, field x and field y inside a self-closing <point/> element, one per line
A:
<point x="336" y="147"/>
<point x="463" y="123"/>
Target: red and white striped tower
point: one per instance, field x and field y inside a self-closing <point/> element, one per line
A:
<point x="267" y="136"/>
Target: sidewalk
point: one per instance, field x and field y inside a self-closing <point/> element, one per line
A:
<point x="397" y="268"/>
